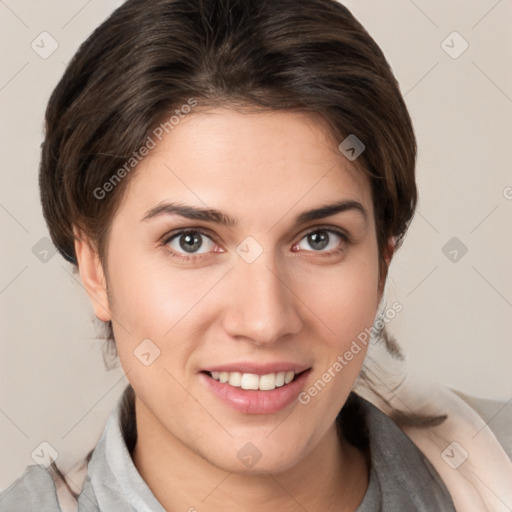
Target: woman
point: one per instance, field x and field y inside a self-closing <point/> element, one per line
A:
<point x="231" y="180"/>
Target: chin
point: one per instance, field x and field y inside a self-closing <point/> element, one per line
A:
<point x="262" y="467"/>
<point x="258" y="457"/>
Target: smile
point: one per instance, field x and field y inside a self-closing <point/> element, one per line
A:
<point x="266" y="382"/>
<point x="252" y="393"/>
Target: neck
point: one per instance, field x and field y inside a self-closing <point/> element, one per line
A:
<point x="333" y="476"/>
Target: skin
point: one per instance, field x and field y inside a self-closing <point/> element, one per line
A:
<point x="296" y="302"/>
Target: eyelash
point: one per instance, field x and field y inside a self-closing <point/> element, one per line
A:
<point x="346" y="240"/>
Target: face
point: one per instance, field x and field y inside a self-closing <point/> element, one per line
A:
<point x="244" y="249"/>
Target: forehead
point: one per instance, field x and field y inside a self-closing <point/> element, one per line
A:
<point x="247" y="164"/>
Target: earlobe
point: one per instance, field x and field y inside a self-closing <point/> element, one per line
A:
<point x="388" y="255"/>
<point x="390" y="250"/>
<point x="92" y="275"/>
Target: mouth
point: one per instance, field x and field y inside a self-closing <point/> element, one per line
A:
<point x="265" y="392"/>
<point x="253" y="381"/>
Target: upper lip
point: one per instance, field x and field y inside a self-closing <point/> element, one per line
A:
<point x="258" y="369"/>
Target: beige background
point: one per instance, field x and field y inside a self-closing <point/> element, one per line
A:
<point x="456" y="321"/>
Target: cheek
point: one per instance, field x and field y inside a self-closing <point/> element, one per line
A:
<point x="344" y="297"/>
<point x="346" y="302"/>
<point x="152" y="300"/>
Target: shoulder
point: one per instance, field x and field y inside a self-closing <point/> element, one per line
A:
<point x="40" y="488"/>
<point x="405" y="476"/>
<point x="497" y="414"/>
<point x="34" y="491"/>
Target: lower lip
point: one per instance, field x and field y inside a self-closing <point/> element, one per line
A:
<point x="251" y="401"/>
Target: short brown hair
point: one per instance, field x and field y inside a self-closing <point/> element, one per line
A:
<point x="150" y="57"/>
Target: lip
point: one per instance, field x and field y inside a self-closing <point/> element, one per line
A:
<point x="258" y="369"/>
<point x="250" y="401"/>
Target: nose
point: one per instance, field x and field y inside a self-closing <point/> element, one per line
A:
<point x="261" y="305"/>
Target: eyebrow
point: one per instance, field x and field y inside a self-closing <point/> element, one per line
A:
<point x="216" y="216"/>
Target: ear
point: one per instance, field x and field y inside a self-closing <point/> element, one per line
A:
<point x="388" y="255"/>
<point x="92" y="275"/>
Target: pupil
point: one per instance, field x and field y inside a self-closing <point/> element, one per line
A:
<point x="190" y="242"/>
<point x="319" y="240"/>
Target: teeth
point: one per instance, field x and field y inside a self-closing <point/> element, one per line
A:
<point x="267" y="382"/>
<point x="235" y="379"/>
<point x="249" y="381"/>
<point x="288" y="377"/>
<point x="252" y="381"/>
<point x="280" y="379"/>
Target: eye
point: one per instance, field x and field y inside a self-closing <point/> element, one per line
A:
<point x="323" y="240"/>
<point x="190" y="242"/>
